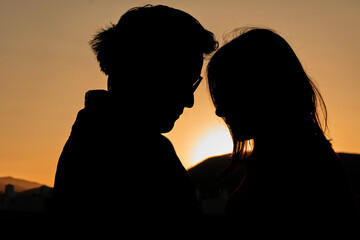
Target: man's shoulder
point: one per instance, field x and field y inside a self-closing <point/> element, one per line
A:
<point x="97" y="99"/>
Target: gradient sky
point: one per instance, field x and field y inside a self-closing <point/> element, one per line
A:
<point x="46" y="67"/>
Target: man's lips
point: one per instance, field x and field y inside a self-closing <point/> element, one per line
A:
<point x="179" y="114"/>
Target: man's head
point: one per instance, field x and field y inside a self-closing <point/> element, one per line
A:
<point x="152" y="57"/>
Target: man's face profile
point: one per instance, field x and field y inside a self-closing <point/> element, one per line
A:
<point x="153" y="57"/>
<point x="176" y="90"/>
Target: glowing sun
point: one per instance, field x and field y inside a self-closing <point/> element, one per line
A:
<point x="215" y="142"/>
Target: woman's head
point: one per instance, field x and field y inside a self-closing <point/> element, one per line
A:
<point x="260" y="88"/>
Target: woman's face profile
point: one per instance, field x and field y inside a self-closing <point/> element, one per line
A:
<point x="239" y="111"/>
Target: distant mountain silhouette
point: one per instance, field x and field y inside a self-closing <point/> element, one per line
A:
<point x="20" y="185"/>
<point x="352" y="163"/>
<point x="205" y="175"/>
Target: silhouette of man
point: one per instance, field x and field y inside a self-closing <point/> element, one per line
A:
<point x="112" y="161"/>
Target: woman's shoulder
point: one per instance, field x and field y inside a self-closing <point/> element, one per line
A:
<point x="322" y="164"/>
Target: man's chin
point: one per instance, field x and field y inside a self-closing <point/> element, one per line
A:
<point x="166" y="127"/>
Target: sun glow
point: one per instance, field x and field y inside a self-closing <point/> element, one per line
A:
<point x="215" y="142"/>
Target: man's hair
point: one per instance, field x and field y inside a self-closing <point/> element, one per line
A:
<point x="145" y="36"/>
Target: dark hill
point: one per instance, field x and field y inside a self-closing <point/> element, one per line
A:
<point x="206" y="173"/>
<point x="20" y="185"/>
<point x="352" y="163"/>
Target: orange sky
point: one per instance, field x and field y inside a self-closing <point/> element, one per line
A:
<point x="46" y="67"/>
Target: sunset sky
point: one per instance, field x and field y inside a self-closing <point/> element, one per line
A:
<point x="46" y="66"/>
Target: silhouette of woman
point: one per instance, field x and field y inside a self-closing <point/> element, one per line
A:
<point x="262" y="92"/>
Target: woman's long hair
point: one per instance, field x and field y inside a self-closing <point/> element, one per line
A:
<point x="259" y="70"/>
